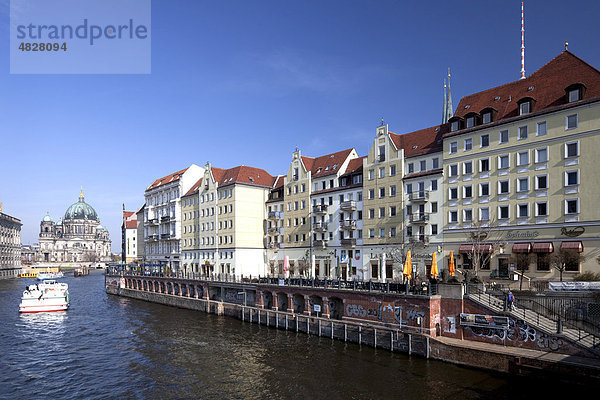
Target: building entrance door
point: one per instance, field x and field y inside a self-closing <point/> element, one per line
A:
<point x="503" y="267"/>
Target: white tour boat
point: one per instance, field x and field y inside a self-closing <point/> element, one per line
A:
<point x="41" y="276"/>
<point x="46" y="296"/>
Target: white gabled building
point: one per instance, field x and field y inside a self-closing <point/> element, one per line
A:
<point x="162" y="216"/>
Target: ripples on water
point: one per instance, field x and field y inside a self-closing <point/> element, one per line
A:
<point x="106" y="347"/>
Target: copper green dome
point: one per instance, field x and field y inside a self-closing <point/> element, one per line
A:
<point x="47" y="218"/>
<point x="81" y="210"/>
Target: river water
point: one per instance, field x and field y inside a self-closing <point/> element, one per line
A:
<point x="107" y="347"/>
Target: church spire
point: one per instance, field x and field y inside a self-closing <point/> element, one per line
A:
<point x="447" y="111"/>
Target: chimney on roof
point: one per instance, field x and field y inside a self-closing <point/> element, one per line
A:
<point x="522" y="44"/>
<point x="447" y="111"/>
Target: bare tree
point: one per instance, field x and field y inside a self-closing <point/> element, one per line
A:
<point x="485" y="242"/>
<point x="562" y="258"/>
<point x="522" y="262"/>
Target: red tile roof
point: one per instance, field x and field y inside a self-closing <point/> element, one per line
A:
<point x="127" y="214"/>
<point x="246" y="175"/>
<point x="354" y="165"/>
<point x="167" y="179"/>
<point x="421" y="142"/>
<point x="194" y="189"/>
<point x="546" y="86"/>
<point x="131" y="224"/>
<point x="278" y="181"/>
<point x="326" y="165"/>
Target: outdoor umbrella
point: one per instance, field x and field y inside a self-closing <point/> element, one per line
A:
<point x="434" y="267"/>
<point x="451" y="268"/>
<point x="408" y="266"/>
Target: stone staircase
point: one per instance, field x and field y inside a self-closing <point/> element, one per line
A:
<point x="533" y="318"/>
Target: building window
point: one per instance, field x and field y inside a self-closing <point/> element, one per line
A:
<point x="470" y="122"/>
<point x="382" y="172"/>
<point x="523" y="184"/>
<point x="454" y="126"/>
<point x="392" y="211"/>
<point x="371" y="213"/>
<point x="571" y="121"/>
<point x="541" y="155"/>
<point x="503" y="212"/>
<point x="541" y="182"/>
<point x="467" y="215"/>
<point x="434" y="185"/>
<point x="572" y="178"/>
<point x="382" y="192"/>
<point x="523" y="132"/>
<point x="468" y="143"/>
<point x="453" y="170"/>
<point x="393" y="170"/>
<point x="467" y="192"/>
<point x="371" y="174"/>
<point x="393" y="191"/>
<point x="503" y="161"/>
<point x="541" y="129"/>
<point x="487" y="117"/>
<point x="381" y="232"/>
<point x="411" y="168"/>
<point x="434" y="207"/>
<point x="467" y="167"/>
<point x="423" y="165"/>
<point x="522" y="210"/>
<point x="453" y="216"/>
<point x="371" y="194"/>
<point x="572" y="206"/>
<point x="484" y="189"/>
<point x="574" y="95"/>
<point x="453" y="193"/>
<point x="485" y="140"/>
<point x="484" y="214"/>
<point x="435" y="163"/>
<point x="543" y="261"/>
<point x="392" y="232"/>
<point x="434" y="229"/>
<point x="453" y="146"/>
<point x="484" y="165"/>
<point x="503" y="187"/>
<point x="503" y="136"/>
<point x="523" y="158"/>
<point x="409" y="188"/>
<point x="381" y="212"/>
<point x="541" y="209"/>
<point x="571" y="149"/>
<point x="524" y="108"/>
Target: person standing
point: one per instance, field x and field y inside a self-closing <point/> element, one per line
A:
<point x="511" y="301"/>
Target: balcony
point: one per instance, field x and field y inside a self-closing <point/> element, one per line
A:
<point x="419" y="218"/>
<point x="381" y="158"/>
<point x="320" y="244"/>
<point x="348" y="205"/>
<point x="275" y="215"/>
<point x="419" y="239"/>
<point x="419" y="196"/>
<point x="152" y="237"/>
<point x="165" y="236"/>
<point x="320" y="226"/>
<point x="166" y="218"/>
<point x="320" y="209"/>
<point x="348" y="224"/>
<point x="348" y="243"/>
<point x="153" y="221"/>
<point x="275" y="231"/>
<point x="275" y="246"/>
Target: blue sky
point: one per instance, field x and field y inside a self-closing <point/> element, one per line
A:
<point x="244" y="82"/>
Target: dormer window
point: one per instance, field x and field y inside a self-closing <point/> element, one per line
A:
<point x="487" y="117"/>
<point x="524" y="108"/>
<point x="470" y="122"/>
<point x="575" y="92"/>
<point x="574" y="95"/>
<point x="455" y="125"/>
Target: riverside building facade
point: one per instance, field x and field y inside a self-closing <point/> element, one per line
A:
<point x="521" y="175"/>
<point x="10" y="246"/>
<point x="507" y="183"/>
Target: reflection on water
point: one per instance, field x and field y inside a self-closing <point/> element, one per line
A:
<point x="107" y="347"/>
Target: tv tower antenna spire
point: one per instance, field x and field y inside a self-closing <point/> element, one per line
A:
<point x="522" y="44"/>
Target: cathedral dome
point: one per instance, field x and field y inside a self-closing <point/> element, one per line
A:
<point x="81" y="210"/>
<point x="47" y="218"/>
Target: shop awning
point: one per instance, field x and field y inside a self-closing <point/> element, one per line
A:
<point x="543" y="247"/>
<point x="470" y="248"/>
<point x="577" y="246"/>
<point x="521" y="248"/>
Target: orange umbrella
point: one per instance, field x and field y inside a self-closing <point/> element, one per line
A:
<point x="451" y="268"/>
<point x="408" y="266"/>
<point x="434" y="267"/>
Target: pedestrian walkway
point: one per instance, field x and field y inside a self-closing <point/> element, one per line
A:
<point x="550" y="357"/>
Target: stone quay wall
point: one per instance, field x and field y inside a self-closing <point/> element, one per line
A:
<point x="402" y="323"/>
